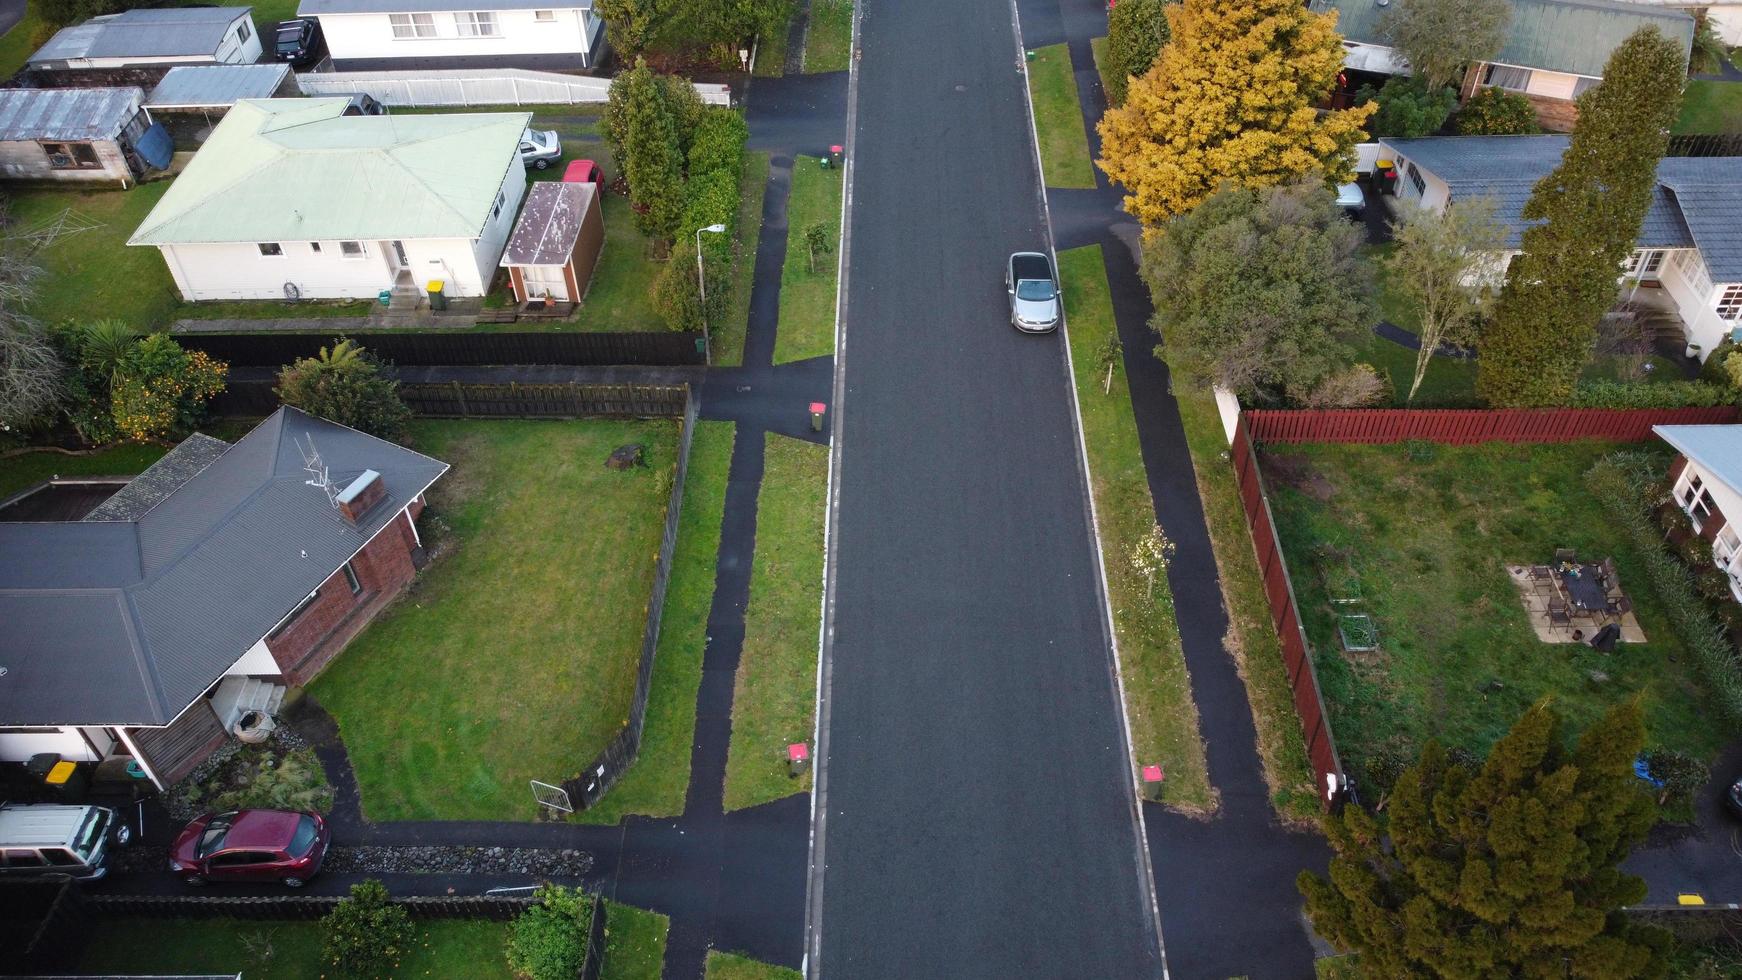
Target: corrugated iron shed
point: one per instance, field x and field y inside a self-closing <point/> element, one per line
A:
<point x="82" y="114"/>
<point x="143" y="32"/>
<point x="199" y="86"/>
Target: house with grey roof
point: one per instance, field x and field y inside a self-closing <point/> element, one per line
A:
<point x="150" y="628"/>
<point x="1689" y="248"/>
<point x="154" y="37"/>
<point x="1706" y="483"/>
<point x="1554" y="49"/>
<point x="79" y="135"/>
<point x="385" y="35"/>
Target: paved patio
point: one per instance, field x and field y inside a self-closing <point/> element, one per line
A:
<point x="1584" y="623"/>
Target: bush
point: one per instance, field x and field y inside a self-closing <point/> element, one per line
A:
<point x="1496" y="112"/>
<point x="1136" y="30"/>
<point x="1713" y="370"/>
<point x="719" y="143"/>
<point x="1661" y="394"/>
<point x="365" y="935"/>
<point x="1407" y="109"/>
<point x="549" y="940"/>
<point x="677" y="294"/>
<point x="711" y="198"/>
<point x="344" y="384"/>
<point x="160" y="390"/>
<point x="1681" y="774"/>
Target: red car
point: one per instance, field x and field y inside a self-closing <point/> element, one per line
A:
<point x="251" y="845"/>
<point x="583" y="172"/>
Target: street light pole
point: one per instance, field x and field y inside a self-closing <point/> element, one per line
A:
<point x="702" y="283"/>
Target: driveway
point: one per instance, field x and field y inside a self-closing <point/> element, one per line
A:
<point x="975" y="808"/>
<point x="1703" y="860"/>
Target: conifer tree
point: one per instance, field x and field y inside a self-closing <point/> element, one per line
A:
<point x="1589" y="210"/>
<point x="1504" y="869"/>
<point x="652" y="158"/>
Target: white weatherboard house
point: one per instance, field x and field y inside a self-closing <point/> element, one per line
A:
<point x="155" y="36"/>
<point x="291" y="198"/>
<point x="1707" y="485"/>
<point x="1690" y="244"/>
<point x="382" y="35"/>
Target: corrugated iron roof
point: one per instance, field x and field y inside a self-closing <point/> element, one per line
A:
<point x="549" y="223"/>
<point x="66" y="113"/>
<point x="143" y="32"/>
<point x="299" y="170"/>
<point x="127" y="622"/>
<point x="216" y="85"/>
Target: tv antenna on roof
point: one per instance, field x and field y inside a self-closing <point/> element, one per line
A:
<point x="311" y="461"/>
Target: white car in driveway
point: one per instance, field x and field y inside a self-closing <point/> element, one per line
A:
<point x="1351" y="199"/>
<point x="539" y="148"/>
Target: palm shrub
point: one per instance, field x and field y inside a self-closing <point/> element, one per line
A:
<point x="347" y="385"/>
<point x="365" y="935"/>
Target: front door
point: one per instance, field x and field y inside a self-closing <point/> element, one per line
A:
<point x="399" y="254"/>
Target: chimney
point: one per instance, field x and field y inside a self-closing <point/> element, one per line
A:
<point x="360" y="496"/>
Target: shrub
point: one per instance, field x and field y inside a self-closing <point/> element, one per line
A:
<point x="719" y="142"/>
<point x="1496" y="112"/>
<point x="365" y="935"/>
<point x="711" y="198"/>
<point x="1662" y="394"/>
<point x="677" y="294"/>
<point x="345" y="384"/>
<point x="1356" y="386"/>
<point x="1682" y="775"/>
<point x="1407" y="108"/>
<point x="549" y="940"/>
<point x="160" y="390"/>
<point x="1136" y="30"/>
<point x="1714" y="370"/>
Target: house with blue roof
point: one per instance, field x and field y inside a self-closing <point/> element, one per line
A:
<point x="1689" y="246"/>
<point x="1706" y="483"/>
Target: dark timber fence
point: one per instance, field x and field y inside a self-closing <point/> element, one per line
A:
<point x="1706" y="145"/>
<point x="1285" y="614"/>
<point x="458" y="348"/>
<point x="473" y="400"/>
<point x="617" y="757"/>
<point x="1464" y="427"/>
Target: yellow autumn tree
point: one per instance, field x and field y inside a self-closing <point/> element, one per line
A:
<point x="1230" y="98"/>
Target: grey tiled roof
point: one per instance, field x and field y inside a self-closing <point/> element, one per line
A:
<point x="143" y="32"/>
<point x="1708" y="192"/>
<point x="126" y="622"/>
<point x="161" y="479"/>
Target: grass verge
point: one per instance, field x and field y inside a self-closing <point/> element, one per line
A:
<point x="518" y="650"/>
<point x="1424" y="533"/>
<point x="1098" y="50"/>
<point x="1058" y="120"/>
<point x="1710" y="107"/>
<point x="731" y="966"/>
<point x="828" y="38"/>
<point x="807" y="299"/>
<point x="728" y="337"/>
<point x="19" y="43"/>
<point x="1250" y="641"/>
<point x="655" y="785"/>
<point x="1158" y="689"/>
<point x="634" y="943"/>
<point x="774" y="699"/>
<point x="292" y="950"/>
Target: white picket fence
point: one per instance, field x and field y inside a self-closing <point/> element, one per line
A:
<point x="475" y="87"/>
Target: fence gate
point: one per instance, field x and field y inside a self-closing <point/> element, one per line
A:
<point x="554" y="797"/>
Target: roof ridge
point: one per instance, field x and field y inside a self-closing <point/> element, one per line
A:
<point x="151" y="681"/>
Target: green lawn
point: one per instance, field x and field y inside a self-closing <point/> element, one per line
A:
<point x="471" y="948"/>
<point x="656" y="783"/>
<point x="19" y="43"/>
<point x="828" y="39"/>
<point x="1250" y="641"/>
<point x="1711" y="107"/>
<point x="771" y="52"/>
<point x="28" y="469"/>
<point x="807" y="299"/>
<point x="634" y="943"/>
<point x="1336" y="968"/>
<point x="514" y="657"/>
<point x="1058" y="120"/>
<point x="731" y="966"/>
<point x="1426" y="537"/>
<point x="728" y="337"/>
<point x="93" y="274"/>
<point x="620" y="294"/>
<point x="775" y="694"/>
<point x="1158" y="690"/>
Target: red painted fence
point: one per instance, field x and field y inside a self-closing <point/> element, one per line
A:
<point x="1462" y="427"/>
<point x="1284" y="614"/>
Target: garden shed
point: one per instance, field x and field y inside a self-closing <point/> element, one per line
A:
<point x="555" y="244"/>
<point x="79" y="135"/>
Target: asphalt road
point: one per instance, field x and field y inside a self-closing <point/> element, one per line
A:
<point x="976" y="816"/>
<point x="11" y="12"/>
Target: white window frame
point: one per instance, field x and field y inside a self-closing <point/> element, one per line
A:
<point x="314" y="247"/>
<point x="544" y="16"/>
<point x="1694" y="269"/>
<point x="1694" y="499"/>
<point x="352" y="251"/>
<point x="1729" y="302"/>
<point x="477" y="23"/>
<point x="1725" y="546"/>
<point x="242" y="31"/>
<point x="412" y="27"/>
<point x="1416" y="180"/>
<point x="1504" y="74"/>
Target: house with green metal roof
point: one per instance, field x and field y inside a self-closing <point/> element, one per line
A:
<point x="293" y="198"/>
<point x="1554" y="49"/>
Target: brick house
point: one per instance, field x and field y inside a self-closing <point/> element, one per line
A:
<point x="1706" y="483"/>
<point x="202" y="590"/>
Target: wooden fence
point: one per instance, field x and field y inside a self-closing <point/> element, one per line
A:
<point x="460" y="348"/>
<point x="254" y="398"/>
<point x="1285" y="616"/>
<point x="619" y="755"/>
<point x="1461" y="427"/>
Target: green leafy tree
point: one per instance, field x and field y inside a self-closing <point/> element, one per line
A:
<point x="549" y="940"/>
<point x="1136" y="30"/>
<point x="1407" y="108"/>
<point x="629" y="24"/>
<point x="60" y="13"/>
<point x="817" y="241"/>
<point x="1441" y="267"/>
<point x="1496" y="112"/>
<point x="736" y="22"/>
<point x="345" y="384"/>
<point x="1259" y="291"/>
<point x="1508" y="868"/>
<point x="365" y="935"/>
<point x="1681" y="774"/>
<point x="1436" y="38"/>
<point x="652" y="159"/>
<point x="159" y="390"/>
<point x="1589" y="210"/>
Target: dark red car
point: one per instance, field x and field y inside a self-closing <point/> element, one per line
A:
<point x="251" y="845"/>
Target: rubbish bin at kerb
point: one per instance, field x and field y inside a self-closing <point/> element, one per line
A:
<point x="438" y="297"/>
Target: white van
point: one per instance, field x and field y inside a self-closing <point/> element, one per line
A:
<point x="51" y="840"/>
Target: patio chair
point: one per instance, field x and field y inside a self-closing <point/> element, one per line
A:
<point x="1558" y="614"/>
<point x="1542" y="580"/>
<point x="1610" y="577"/>
<point x="1564" y="556"/>
<point x="1619" y="606"/>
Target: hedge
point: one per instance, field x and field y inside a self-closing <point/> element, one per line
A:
<point x="1627" y="483"/>
<point x="719" y="142"/>
<point x="1660" y="394"/>
<point x="716" y="163"/>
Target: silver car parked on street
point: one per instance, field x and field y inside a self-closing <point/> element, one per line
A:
<point x="1033" y="292"/>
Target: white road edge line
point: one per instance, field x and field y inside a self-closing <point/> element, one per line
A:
<point x="812" y="963"/>
<point x="1145" y="870"/>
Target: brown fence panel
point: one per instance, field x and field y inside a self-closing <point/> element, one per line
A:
<point x="471" y="400"/>
<point x="1461" y="427"/>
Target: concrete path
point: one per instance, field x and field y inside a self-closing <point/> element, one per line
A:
<point x="975" y="807"/>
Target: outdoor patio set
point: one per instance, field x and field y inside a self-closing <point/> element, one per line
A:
<point x="1571" y="601"/>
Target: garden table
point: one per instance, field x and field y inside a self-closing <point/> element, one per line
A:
<point x="1584" y="588"/>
